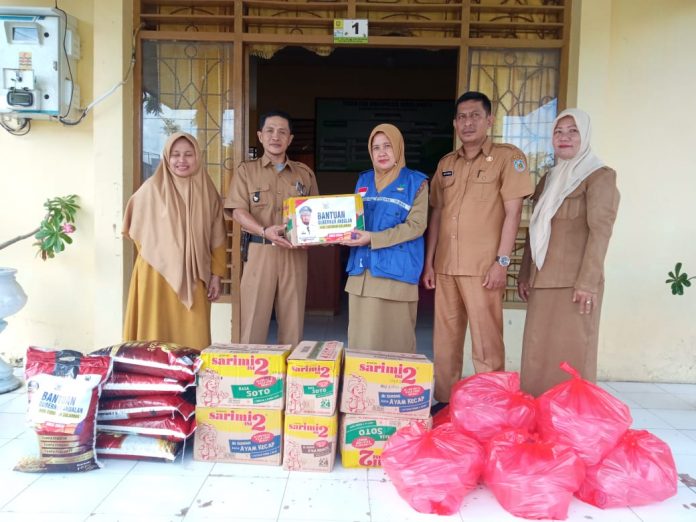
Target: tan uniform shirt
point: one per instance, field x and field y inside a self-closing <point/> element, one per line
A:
<point x="580" y="232"/>
<point x="471" y="195"/>
<point x="260" y="189"/>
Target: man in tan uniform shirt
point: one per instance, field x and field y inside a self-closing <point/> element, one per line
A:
<point x="476" y="194"/>
<point x="275" y="272"/>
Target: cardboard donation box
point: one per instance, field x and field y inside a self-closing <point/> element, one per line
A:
<point x="317" y="220"/>
<point x="244" y="435"/>
<point x="310" y="442"/>
<point x="313" y="375"/>
<point x="398" y="384"/>
<point x="363" y="437"/>
<point x="242" y="376"/>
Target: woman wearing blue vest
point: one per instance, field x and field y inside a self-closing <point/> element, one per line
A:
<point x="386" y="259"/>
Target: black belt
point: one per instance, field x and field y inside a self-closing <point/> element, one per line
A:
<point x="259" y="239"/>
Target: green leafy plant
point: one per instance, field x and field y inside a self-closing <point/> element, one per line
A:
<point x="54" y="231"/>
<point x="679" y="280"/>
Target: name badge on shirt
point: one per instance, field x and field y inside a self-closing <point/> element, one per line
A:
<point x="301" y="190"/>
<point x="256" y="197"/>
<point x="446" y="173"/>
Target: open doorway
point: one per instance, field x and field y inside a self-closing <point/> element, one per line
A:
<point x="359" y="87"/>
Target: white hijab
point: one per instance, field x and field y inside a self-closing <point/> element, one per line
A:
<point x="563" y="179"/>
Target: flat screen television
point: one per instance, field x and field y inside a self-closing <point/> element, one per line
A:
<point x="343" y="127"/>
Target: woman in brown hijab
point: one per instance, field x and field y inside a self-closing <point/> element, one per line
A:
<point x="387" y="257"/>
<point x="175" y="219"/>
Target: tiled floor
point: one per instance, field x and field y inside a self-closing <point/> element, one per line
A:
<point x="189" y="491"/>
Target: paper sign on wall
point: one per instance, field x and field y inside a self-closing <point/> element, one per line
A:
<point x="350" y="31"/>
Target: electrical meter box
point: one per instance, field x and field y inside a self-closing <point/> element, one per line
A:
<point x="39" y="50"/>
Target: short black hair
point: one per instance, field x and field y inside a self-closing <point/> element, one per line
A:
<point x="475" y="96"/>
<point x="270" y="114"/>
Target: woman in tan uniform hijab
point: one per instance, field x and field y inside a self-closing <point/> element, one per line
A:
<point x="562" y="272"/>
<point x="387" y="257"/>
<point x="175" y="219"/>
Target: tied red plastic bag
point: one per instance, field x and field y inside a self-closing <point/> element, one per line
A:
<point x="638" y="471"/>
<point x="155" y="358"/>
<point x="583" y="416"/>
<point x="433" y="470"/>
<point x="487" y="404"/>
<point x="63" y="391"/>
<point x="532" y="478"/>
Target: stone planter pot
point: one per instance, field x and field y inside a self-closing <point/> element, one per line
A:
<point x="12" y="299"/>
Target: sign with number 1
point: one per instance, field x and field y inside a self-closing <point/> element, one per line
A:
<point x="350" y="31"/>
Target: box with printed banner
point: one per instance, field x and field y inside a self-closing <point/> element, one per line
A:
<point x="388" y="383"/>
<point x="245" y="435"/>
<point x="362" y="437"/>
<point x="318" y="220"/>
<point x="309" y="442"/>
<point x="313" y="375"/>
<point x="242" y="376"/>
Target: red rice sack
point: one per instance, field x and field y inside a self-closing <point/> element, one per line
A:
<point x="433" y="470"/>
<point x="532" y="478"/>
<point x="130" y="384"/>
<point x="122" y="446"/>
<point x="173" y="427"/>
<point x="154" y="358"/>
<point x="63" y="391"/>
<point x="639" y="470"/>
<point x="144" y="407"/>
<point x="582" y="415"/>
<point x="486" y="404"/>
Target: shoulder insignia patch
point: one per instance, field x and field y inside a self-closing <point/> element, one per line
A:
<point x="519" y="164"/>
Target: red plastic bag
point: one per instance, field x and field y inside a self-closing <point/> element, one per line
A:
<point x="583" y="416"/>
<point x="638" y="471"/>
<point x="433" y="470"/>
<point x="155" y="358"/>
<point x="487" y="404"/>
<point x="532" y="478"/>
<point x="63" y="390"/>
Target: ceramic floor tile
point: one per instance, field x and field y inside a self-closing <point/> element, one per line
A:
<point x="686" y="465"/>
<point x="377" y="474"/>
<point x="17" y="404"/>
<point x="224" y="469"/>
<point x="680" y="419"/>
<point x="100" y="517"/>
<point x="64" y="493"/>
<point x="689" y="433"/>
<point x="677" y="388"/>
<point x="677" y="441"/>
<point x="13" y="483"/>
<point x="11" y="425"/>
<point x="624" y="397"/>
<point x="159" y="495"/>
<point x="14" y="450"/>
<point x="322" y="500"/>
<point x="679" y="508"/>
<point x="243" y="496"/>
<point x="655" y="401"/>
<point x="338" y="473"/>
<point x="481" y="506"/>
<point x="647" y="420"/>
<point x="580" y="511"/>
<point x="387" y="506"/>
<point x="201" y="517"/>
<point x="186" y="466"/>
<point x="606" y="386"/>
<point x="635" y="387"/>
<point x="45" y="516"/>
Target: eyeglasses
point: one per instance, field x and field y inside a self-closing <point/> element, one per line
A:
<point x="473" y="116"/>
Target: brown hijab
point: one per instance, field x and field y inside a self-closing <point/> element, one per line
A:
<point x="382" y="179"/>
<point x="177" y="222"/>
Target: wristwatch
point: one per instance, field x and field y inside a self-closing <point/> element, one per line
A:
<point x="503" y="260"/>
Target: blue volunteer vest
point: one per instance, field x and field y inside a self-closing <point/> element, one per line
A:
<point x="402" y="262"/>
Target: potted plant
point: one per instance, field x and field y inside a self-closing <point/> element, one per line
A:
<point x="51" y="236"/>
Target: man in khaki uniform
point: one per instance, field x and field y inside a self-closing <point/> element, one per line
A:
<point x="476" y="194"/>
<point x="275" y="272"/>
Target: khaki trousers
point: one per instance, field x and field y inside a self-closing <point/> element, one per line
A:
<point x="458" y="300"/>
<point x="273" y="275"/>
<point x="381" y="324"/>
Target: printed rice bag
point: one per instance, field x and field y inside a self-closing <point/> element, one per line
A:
<point x="63" y="392"/>
<point x="144" y="407"/>
<point x="123" y="446"/>
<point x="129" y="384"/>
<point x="172" y="427"/>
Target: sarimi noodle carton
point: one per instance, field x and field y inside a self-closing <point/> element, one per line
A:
<point x="310" y="442"/>
<point x="398" y="384"/>
<point x="317" y="220"/>
<point x="242" y="375"/>
<point x="313" y="375"/>
<point x="363" y="437"/>
<point x="245" y="435"/>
